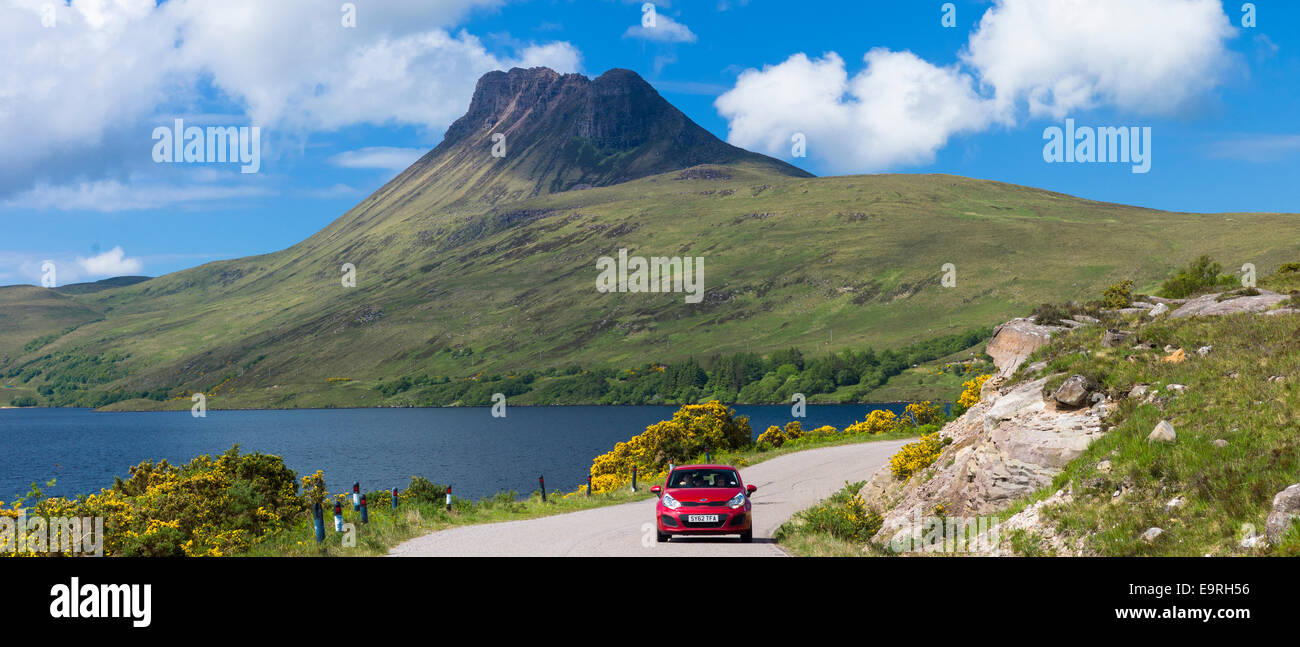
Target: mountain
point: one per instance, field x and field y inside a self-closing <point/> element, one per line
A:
<point x="564" y="132"/>
<point x="469" y="265"/>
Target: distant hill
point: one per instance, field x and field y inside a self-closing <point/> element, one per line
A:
<point x="470" y="265"/>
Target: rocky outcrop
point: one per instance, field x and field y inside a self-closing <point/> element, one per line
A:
<point x="1014" y="340"/>
<point x="1210" y="305"/>
<point x="1005" y="447"/>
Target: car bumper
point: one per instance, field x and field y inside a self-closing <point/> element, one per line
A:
<point x="730" y="522"/>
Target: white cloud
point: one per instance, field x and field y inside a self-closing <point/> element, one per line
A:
<point x="1050" y="57"/>
<point x="78" y="101"/>
<point x="113" y="262"/>
<point x="1059" y="56"/>
<point x="899" y="110"/>
<point x="666" y="30"/>
<point x="378" y="157"/>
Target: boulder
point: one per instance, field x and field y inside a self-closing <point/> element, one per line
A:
<point x="1152" y="534"/>
<point x="1073" y="392"/>
<point x="1220" y="443"/>
<point x="1158" y="310"/>
<point x="1286" y="509"/>
<point x="1163" y="433"/>
<point x="1210" y="305"/>
<point x="1113" y="338"/>
<point x="1014" y="340"/>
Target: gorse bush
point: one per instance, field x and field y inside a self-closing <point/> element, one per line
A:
<point x="924" y="413"/>
<point x="205" y="507"/>
<point x="1119" y="295"/>
<point x="914" y="457"/>
<point x="692" y="428"/>
<point x="877" y="422"/>
<point x="776" y="436"/>
<point x="970" y="395"/>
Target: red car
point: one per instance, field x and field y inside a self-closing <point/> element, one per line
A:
<point x="704" y="500"/>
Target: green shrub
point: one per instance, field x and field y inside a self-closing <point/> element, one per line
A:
<point x="23" y="401"/>
<point x="422" y="490"/>
<point x="844" y="516"/>
<point x="1201" y="275"/>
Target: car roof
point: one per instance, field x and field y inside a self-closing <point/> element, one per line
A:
<point x="709" y="466"/>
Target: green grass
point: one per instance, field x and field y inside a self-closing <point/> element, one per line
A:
<point x="842" y="263"/>
<point x="388" y="528"/>
<point x="1229" y="396"/>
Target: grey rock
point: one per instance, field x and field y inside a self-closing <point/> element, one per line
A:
<point x="1073" y="392"/>
<point x="1204" y="350"/>
<point x="1152" y="534"/>
<point x="1163" y="433"/>
<point x="1158" y="310"/>
<point x="1113" y="338"/>
<point x="1286" y="509"/>
<point x="1220" y="443"/>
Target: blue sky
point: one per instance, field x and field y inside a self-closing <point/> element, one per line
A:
<point x="874" y="87"/>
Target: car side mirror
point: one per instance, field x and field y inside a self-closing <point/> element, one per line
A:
<point x="657" y="490"/>
<point x="749" y="489"/>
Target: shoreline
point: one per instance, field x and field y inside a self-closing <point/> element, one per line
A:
<point x="488" y="406"/>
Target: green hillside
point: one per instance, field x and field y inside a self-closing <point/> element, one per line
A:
<point x="819" y="264"/>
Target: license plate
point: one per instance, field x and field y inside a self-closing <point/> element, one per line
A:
<point x="702" y="518"/>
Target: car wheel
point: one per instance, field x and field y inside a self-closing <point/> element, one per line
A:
<point x="747" y="537"/>
<point x="661" y="537"/>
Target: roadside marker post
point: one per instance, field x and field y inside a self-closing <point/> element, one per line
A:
<point x="365" y="513"/>
<point x="542" y="482"/>
<point x="356" y="496"/>
<point x="318" y="521"/>
<point x="634" y="478"/>
<point x="706" y="455"/>
<point x="338" y="517"/>
<point x="588" y="485"/>
<point x="394" y="498"/>
<point x="448" y="498"/>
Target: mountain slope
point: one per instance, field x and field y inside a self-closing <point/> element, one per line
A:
<point x="465" y="268"/>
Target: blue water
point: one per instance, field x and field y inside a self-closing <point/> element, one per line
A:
<point x="382" y="448"/>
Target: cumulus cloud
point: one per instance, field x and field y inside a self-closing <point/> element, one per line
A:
<point x="1044" y="58"/>
<point x="113" y="262"/>
<point x="378" y="157"/>
<point x="1147" y="56"/>
<point x="898" y="110"/>
<point x="79" y="99"/>
<point x="666" y="30"/>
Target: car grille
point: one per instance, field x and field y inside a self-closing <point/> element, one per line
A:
<point x="722" y="521"/>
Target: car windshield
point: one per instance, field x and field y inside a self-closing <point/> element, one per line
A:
<point x="703" y="478"/>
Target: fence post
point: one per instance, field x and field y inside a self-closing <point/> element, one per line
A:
<point x="588" y="485"/>
<point x="448" y="498"/>
<point x="318" y="521"/>
<point x="542" y="482"/>
<point x="634" y="478"/>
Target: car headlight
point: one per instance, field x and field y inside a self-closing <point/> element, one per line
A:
<point x="670" y="502"/>
<point x="737" y="501"/>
